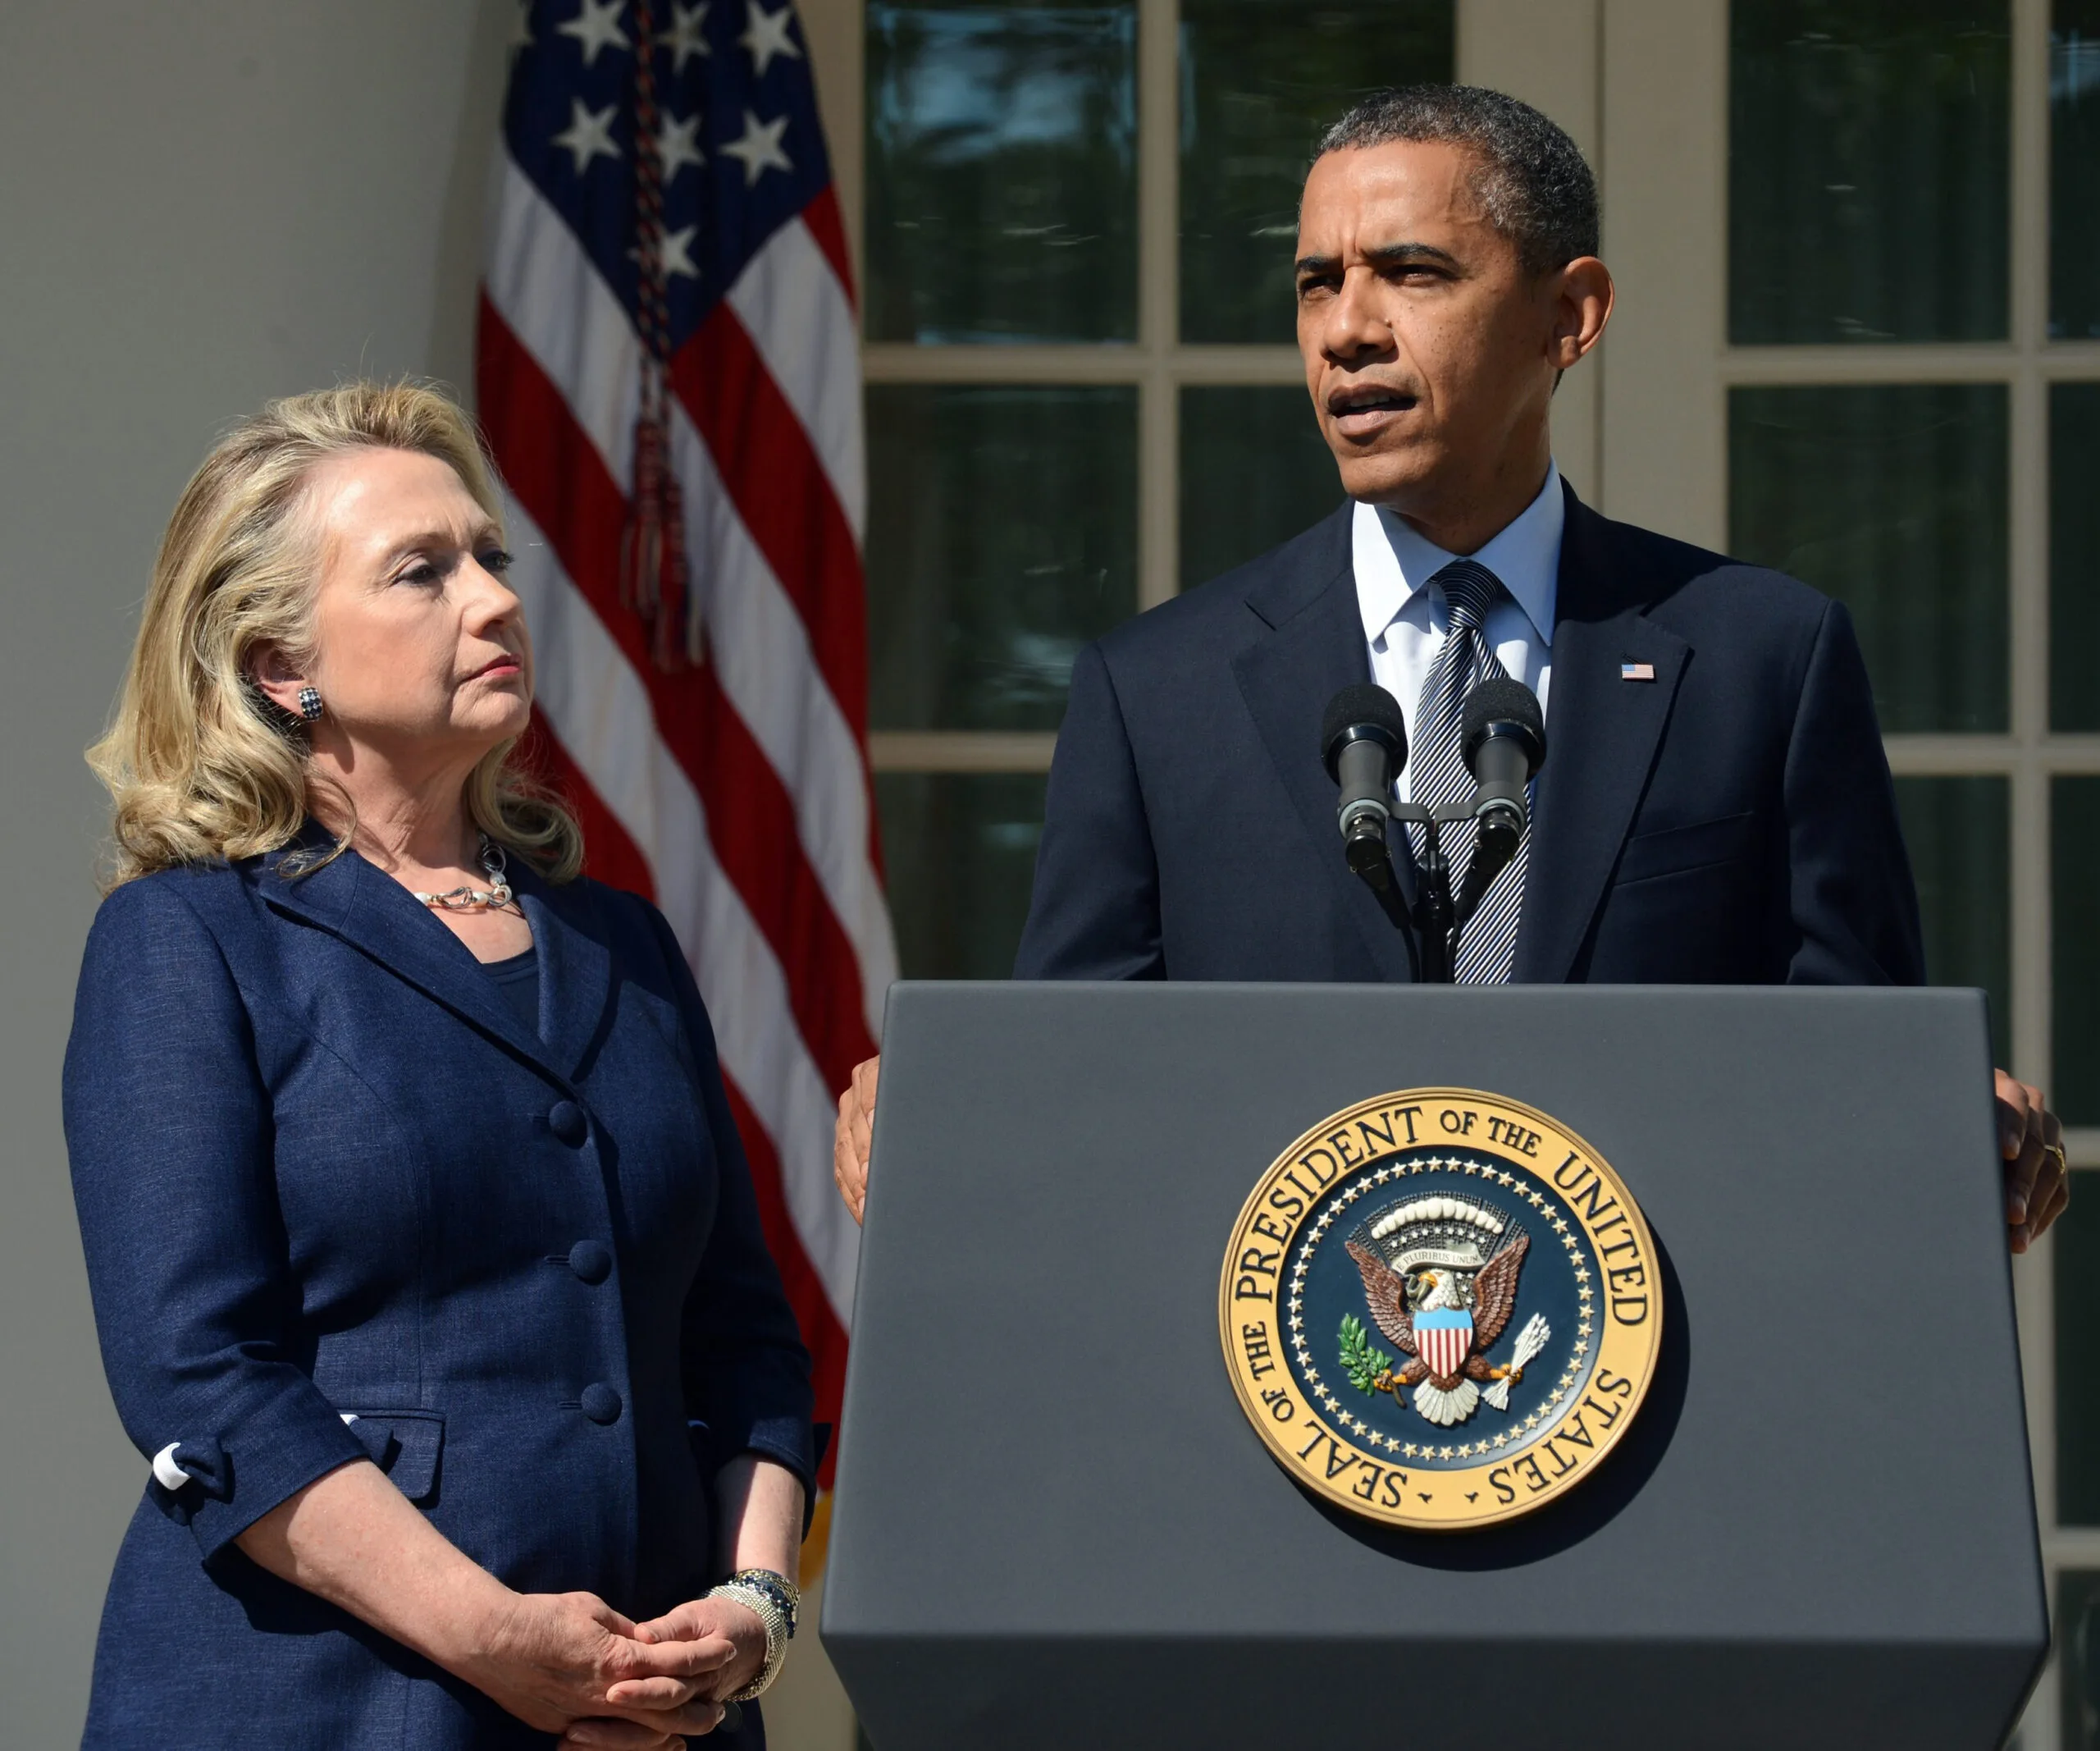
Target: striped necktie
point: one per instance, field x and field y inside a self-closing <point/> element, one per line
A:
<point x="1487" y="950"/>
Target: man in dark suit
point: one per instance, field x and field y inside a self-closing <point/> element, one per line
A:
<point x="1717" y="807"/>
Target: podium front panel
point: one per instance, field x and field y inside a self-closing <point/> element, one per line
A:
<point x="1054" y="1527"/>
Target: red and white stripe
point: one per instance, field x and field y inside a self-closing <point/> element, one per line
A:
<point x="736" y="794"/>
<point x="1444" y="1347"/>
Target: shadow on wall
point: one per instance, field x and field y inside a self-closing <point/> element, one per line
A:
<point x="456" y="290"/>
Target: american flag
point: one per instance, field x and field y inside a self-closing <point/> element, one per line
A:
<point x="668" y="377"/>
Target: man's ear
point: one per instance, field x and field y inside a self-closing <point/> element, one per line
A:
<point x="1582" y="304"/>
<point x="275" y="674"/>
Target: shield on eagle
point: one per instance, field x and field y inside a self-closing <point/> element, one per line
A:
<point x="1445" y="1335"/>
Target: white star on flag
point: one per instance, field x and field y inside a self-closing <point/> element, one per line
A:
<point x="765" y="35"/>
<point x="676" y="251"/>
<point x="521" y="29"/>
<point x="673" y="252"/>
<point x="596" y="25"/>
<point x="677" y="146"/>
<point x="759" y="150"/>
<point x="683" y="38"/>
<point x="588" y="135"/>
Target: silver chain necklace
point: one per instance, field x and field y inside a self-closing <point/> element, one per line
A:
<point x="493" y="898"/>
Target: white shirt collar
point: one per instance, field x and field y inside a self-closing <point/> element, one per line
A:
<point x="1394" y="561"/>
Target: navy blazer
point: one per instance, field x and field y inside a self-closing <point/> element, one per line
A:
<point x="323" y="1171"/>
<point x="1730" y="821"/>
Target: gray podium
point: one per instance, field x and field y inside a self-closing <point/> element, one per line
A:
<point x="1054" y="1527"/>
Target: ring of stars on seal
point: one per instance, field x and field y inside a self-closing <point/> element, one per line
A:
<point x="1441" y="1308"/>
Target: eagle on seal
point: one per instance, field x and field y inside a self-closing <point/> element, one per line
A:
<point x="1447" y="1303"/>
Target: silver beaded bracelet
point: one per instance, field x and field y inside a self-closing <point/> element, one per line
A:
<point x="774" y="1600"/>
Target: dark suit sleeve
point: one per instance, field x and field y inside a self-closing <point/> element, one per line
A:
<point x="168" y="1127"/>
<point x="746" y="1374"/>
<point x="1095" y="911"/>
<point x="1854" y="906"/>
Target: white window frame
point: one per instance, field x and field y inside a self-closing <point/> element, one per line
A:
<point x="1668" y="368"/>
<point x="1641" y="429"/>
<point x="1544" y="49"/>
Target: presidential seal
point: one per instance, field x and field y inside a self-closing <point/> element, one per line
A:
<point x="1441" y="1308"/>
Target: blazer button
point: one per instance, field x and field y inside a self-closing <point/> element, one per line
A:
<point x="566" y="1120"/>
<point x="591" y="1260"/>
<point x="601" y="1404"/>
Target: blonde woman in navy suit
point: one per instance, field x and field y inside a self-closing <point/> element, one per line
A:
<point x="426" y="1261"/>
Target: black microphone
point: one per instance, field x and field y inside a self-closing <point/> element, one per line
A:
<point x="1363" y="739"/>
<point x="1503" y="737"/>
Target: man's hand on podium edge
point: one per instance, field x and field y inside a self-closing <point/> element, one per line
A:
<point x="2031" y="1139"/>
<point x="856" y="1128"/>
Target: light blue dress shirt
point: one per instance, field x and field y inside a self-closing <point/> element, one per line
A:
<point x="1405" y="622"/>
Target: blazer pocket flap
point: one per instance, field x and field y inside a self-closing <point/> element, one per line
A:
<point x="405" y="1445"/>
<point x="1669" y="851"/>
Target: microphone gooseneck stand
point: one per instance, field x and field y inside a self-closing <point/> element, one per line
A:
<point x="1364" y="847"/>
<point x="1435" y="920"/>
<point x="1431" y="928"/>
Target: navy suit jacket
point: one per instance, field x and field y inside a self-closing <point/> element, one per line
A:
<point x="323" y="1169"/>
<point x="1731" y="821"/>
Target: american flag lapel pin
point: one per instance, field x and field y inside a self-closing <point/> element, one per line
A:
<point x="1637" y="671"/>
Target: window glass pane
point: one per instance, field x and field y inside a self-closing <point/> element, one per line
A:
<point x="1261" y="81"/>
<point x="2078" y="1650"/>
<point x="2074" y="170"/>
<point x="2074" y="553"/>
<point x="1892" y="499"/>
<point x="1002" y="525"/>
<point x="1001" y="167"/>
<point x="1955" y="828"/>
<point x="1867" y="151"/>
<point x="2077" y="1274"/>
<point x="1254" y="472"/>
<point x="2075" y="949"/>
<point x="960" y="849"/>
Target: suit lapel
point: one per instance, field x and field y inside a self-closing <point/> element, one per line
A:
<point x="351" y="899"/>
<point x="1602" y="733"/>
<point x="1311" y="644"/>
<point x="576" y="969"/>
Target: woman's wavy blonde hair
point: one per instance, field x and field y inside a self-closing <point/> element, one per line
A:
<point x="200" y="764"/>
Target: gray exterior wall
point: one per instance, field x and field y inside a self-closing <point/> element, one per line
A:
<point x="204" y="204"/>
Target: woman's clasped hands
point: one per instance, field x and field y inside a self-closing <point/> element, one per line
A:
<point x="569" y="1663"/>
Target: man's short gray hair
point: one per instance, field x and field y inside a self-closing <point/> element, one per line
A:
<point x="1537" y="190"/>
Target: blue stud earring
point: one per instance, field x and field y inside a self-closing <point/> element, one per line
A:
<point x="309" y="704"/>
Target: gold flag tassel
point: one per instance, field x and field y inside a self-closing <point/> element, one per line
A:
<point x="653" y="573"/>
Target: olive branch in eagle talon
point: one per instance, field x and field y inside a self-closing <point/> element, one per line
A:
<point x="1395" y="1300"/>
<point x="1366" y="1366"/>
